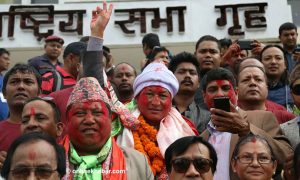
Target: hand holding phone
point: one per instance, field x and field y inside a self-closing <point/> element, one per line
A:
<point x="245" y="44"/>
<point x="222" y="103"/>
<point x="297" y="50"/>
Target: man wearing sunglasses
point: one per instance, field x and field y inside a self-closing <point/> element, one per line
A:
<point x="34" y="156"/>
<point x="191" y="157"/>
<point x="291" y="128"/>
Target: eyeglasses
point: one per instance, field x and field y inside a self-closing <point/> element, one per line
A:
<point x="181" y="165"/>
<point x="249" y="159"/>
<point x="296" y="89"/>
<point x="40" y="172"/>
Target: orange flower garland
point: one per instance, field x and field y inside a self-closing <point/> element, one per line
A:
<point x="145" y="142"/>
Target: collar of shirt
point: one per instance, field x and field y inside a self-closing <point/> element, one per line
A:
<point x="187" y="109"/>
<point x="48" y="61"/>
<point x="211" y="127"/>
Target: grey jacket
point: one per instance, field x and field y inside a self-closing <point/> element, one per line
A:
<point x="291" y="131"/>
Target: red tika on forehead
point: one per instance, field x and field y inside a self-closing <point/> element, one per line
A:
<point x="32" y="111"/>
<point x="220" y="82"/>
<point x="87" y="105"/>
<point x="146" y="101"/>
<point x="32" y="155"/>
<point x="254" y="140"/>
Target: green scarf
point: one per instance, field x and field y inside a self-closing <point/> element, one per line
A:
<point x="89" y="167"/>
<point x="116" y="125"/>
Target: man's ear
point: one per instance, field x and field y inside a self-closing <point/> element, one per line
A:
<point x="236" y="93"/>
<point x="275" y="165"/>
<point x="59" y="128"/>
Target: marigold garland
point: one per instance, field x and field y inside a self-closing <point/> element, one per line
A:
<point x="145" y="142"/>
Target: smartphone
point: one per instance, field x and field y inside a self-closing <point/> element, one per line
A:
<point x="245" y="44"/>
<point x="222" y="103"/>
<point x="297" y="49"/>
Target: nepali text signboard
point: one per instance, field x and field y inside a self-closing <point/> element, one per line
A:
<point x="174" y="21"/>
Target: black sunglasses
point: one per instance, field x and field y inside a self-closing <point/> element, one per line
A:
<point x="296" y="89"/>
<point x="40" y="172"/>
<point x="181" y="165"/>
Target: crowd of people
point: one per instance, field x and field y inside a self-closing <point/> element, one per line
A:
<point x="222" y="112"/>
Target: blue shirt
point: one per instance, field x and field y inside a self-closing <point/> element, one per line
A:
<point x="280" y="94"/>
<point x="291" y="61"/>
<point x="43" y="64"/>
<point x="3" y="103"/>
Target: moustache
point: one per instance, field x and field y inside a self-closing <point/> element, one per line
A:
<point x="187" y="81"/>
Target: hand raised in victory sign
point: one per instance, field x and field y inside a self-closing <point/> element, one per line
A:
<point x="100" y="19"/>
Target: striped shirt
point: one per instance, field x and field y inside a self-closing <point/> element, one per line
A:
<point x="56" y="80"/>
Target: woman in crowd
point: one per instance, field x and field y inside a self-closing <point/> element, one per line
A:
<point x="272" y="57"/>
<point x="159" y="54"/>
<point x="253" y="158"/>
<point x="160" y="123"/>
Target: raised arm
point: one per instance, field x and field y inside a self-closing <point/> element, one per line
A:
<point x="93" y="58"/>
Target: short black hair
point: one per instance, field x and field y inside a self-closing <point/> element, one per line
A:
<point x="49" y="100"/>
<point x="181" y="145"/>
<point x="151" y="40"/>
<point x="296" y="161"/>
<point x="208" y="38"/>
<point x="34" y="137"/>
<point x="23" y="68"/>
<point x="287" y="26"/>
<point x="225" y="42"/>
<point x="156" y="50"/>
<point x="295" y="75"/>
<point x="250" y="138"/>
<point x="85" y="39"/>
<point x="76" y="48"/>
<point x="218" y="74"/>
<point x="184" y="57"/>
<point x="106" y="49"/>
<point x="153" y="53"/>
<point x="3" y="51"/>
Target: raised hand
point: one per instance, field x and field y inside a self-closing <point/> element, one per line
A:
<point x="100" y="19"/>
<point x="231" y="52"/>
<point x="296" y="56"/>
<point x="257" y="47"/>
